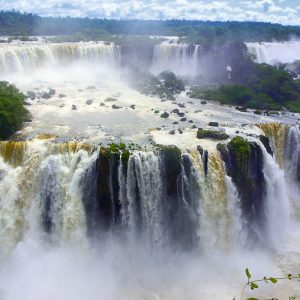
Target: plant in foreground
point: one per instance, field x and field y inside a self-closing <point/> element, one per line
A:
<point x="254" y="284"/>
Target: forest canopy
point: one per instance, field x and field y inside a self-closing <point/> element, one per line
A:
<point x="16" y="23"/>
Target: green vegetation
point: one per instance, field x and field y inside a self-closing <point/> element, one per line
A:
<point x="114" y="149"/>
<point x="241" y="149"/>
<point x="204" y="32"/>
<point x="211" y="134"/>
<point x="165" y="85"/>
<point x="164" y="115"/>
<point x="254" y="284"/>
<point x="263" y="87"/>
<point x="12" y="110"/>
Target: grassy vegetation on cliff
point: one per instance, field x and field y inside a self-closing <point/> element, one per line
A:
<point x="12" y="110"/>
<point x="211" y="134"/>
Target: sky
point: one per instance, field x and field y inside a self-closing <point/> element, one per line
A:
<point x="275" y="11"/>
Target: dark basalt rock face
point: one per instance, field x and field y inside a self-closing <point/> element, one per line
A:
<point x="266" y="142"/>
<point x="244" y="164"/>
<point x="101" y="190"/>
<point x="181" y="198"/>
<point x="108" y="187"/>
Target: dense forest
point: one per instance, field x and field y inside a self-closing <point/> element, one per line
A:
<point x="16" y="23"/>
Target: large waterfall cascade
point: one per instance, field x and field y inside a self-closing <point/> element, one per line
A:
<point x="27" y="57"/>
<point x="182" y="59"/>
<point x="70" y="192"/>
<point x="275" y="52"/>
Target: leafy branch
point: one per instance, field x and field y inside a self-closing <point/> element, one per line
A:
<point x="254" y="284"/>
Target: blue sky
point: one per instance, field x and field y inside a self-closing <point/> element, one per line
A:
<point x="279" y="11"/>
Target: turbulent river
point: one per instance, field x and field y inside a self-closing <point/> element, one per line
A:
<point x="80" y="221"/>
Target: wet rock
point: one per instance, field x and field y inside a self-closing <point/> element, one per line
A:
<point x="132" y="106"/>
<point x="203" y="102"/>
<point x="172" y="132"/>
<point x="175" y="111"/>
<point x="211" y="134"/>
<point x="62" y="96"/>
<point x="156" y="111"/>
<point x="62" y="105"/>
<point x="266" y="142"/>
<point x="241" y="108"/>
<point x="31" y="94"/>
<point x="244" y="163"/>
<point x="213" y="124"/>
<point x="102" y="104"/>
<point x="52" y="92"/>
<point x="90" y="87"/>
<point x="175" y="123"/>
<point x="191" y="121"/>
<point x="89" y="102"/>
<point x="200" y="150"/>
<point x="114" y="106"/>
<point x="181" y="105"/>
<point x="164" y="115"/>
<point x="45" y="95"/>
<point x="183" y="119"/>
<point x="181" y="114"/>
<point x="180" y="131"/>
<point x="158" y="128"/>
<point x="74" y="107"/>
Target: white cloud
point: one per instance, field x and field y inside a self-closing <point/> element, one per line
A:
<point x="278" y="11"/>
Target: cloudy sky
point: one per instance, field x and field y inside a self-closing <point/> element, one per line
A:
<point x="279" y="11"/>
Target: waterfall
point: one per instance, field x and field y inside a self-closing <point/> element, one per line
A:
<point x="277" y="209"/>
<point x="275" y="52"/>
<point x="285" y="141"/>
<point x="24" y="58"/>
<point x="183" y="59"/>
<point x="145" y="195"/>
<point x="74" y="192"/>
<point x="276" y="132"/>
<point x="220" y="225"/>
<point x="292" y="166"/>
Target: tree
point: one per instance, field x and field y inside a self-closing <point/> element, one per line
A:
<point x="12" y="110"/>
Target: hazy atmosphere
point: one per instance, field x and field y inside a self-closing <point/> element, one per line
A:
<point x="149" y="150"/>
<point x="276" y="11"/>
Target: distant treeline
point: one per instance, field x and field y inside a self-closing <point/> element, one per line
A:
<point x="16" y="23"/>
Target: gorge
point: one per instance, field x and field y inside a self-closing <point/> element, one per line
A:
<point x="102" y="198"/>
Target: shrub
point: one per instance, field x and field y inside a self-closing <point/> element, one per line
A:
<point x="12" y="110"/>
<point x="211" y="134"/>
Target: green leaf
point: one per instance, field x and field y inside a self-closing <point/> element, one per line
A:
<point x="252" y="299"/>
<point x="253" y="285"/>
<point x="273" y="280"/>
<point x="248" y="273"/>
